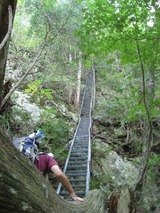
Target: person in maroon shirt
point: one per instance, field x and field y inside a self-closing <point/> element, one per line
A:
<point x="46" y="163"/>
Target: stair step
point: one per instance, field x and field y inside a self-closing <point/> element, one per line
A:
<point x="78" y="155"/>
<point x="76" y="167"/>
<point x="78" y="186"/>
<point x="79" y="151"/>
<point x="77" y="193"/>
<point x="76" y="171"/>
<point x="81" y="146"/>
<point x="77" y="180"/>
<point x="75" y="162"/>
<point x="75" y="174"/>
<point x="75" y="187"/>
<point x="78" y="158"/>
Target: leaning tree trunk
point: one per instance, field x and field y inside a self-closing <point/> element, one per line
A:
<point x="24" y="189"/>
<point x="7" y="11"/>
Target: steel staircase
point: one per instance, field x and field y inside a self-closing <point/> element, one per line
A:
<point x="77" y="166"/>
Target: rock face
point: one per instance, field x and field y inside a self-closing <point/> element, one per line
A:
<point x="23" y="101"/>
<point x="120" y="169"/>
<point x="115" y="167"/>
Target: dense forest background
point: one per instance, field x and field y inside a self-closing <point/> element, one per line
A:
<point x="53" y="44"/>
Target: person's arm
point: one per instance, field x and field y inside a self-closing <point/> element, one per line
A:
<point x="65" y="182"/>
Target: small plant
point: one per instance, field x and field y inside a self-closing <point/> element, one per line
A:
<point x="38" y="92"/>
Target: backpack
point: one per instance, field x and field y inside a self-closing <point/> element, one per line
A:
<point x="29" y="148"/>
<point x="29" y="145"/>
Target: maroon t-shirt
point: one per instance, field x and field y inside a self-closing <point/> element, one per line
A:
<point x="45" y="162"/>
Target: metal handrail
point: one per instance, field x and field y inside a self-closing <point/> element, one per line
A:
<point x="67" y="160"/>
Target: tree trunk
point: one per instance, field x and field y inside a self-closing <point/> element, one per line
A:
<point x="24" y="189"/>
<point x="69" y="86"/>
<point x="151" y="86"/>
<point x="121" y="201"/>
<point x="4" y="31"/>
<point x="147" y="132"/>
<point x="77" y="96"/>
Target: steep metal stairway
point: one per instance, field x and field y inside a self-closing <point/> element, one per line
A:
<point x="77" y="166"/>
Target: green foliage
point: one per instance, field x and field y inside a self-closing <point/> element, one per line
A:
<point x="33" y="87"/>
<point x="123" y="92"/>
<point x="100" y="181"/>
<point x="48" y="3"/>
<point x="119" y="26"/>
<point x="39" y="93"/>
<point x="5" y="123"/>
<point x="22" y="25"/>
<point x="14" y="122"/>
<point x="56" y="129"/>
<point x="47" y="93"/>
<point x="153" y="160"/>
<point x="135" y="113"/>
<point x="111" y="25"/>
<point x="123" y="95"/>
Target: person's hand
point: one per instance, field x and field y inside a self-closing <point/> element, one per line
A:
<point x="78" y="199"/>
<point x="75" y="198"/>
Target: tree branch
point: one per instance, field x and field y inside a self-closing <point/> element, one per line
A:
<point x="147" y="146"/>
<point x="22" y="78"/>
